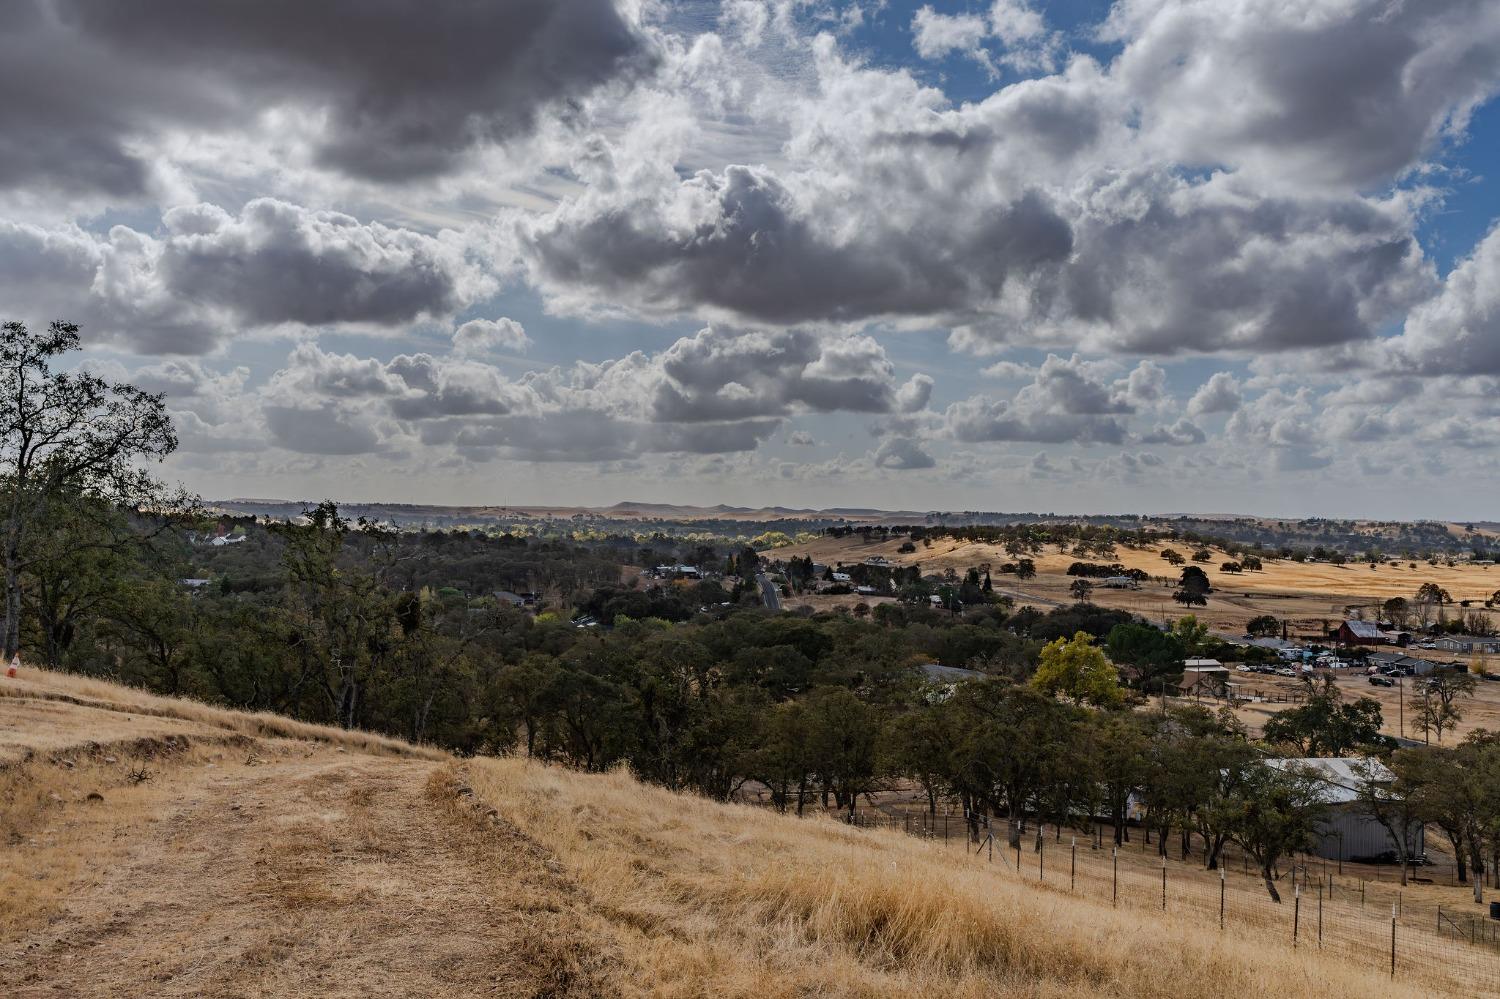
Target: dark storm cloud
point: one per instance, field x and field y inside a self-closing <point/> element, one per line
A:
<point x="726" y="374"/>
<point x="761" y="254"/>
<point x="407" y="86"/>
<point x="209" y="274"/>
<point x="280" y="263"/>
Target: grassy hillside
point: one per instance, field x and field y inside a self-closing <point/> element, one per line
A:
<point x="261" y="857"/>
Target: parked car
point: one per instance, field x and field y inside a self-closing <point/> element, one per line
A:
<point x="1242" y="668"/>
<point x="1490" y="676"/>
<point x="1381" y="681"/>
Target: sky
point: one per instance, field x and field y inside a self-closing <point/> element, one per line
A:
<point x="1213" y="256"/>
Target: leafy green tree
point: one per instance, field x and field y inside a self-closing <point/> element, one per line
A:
<point x="159" y="628"/>
<point x="1326" y="726"/>
<point x="1025" y="569"/>
<point x="844" y="738"/>
<point x="65" y="434"/>
<point x="922" y="745"/>
<point x="1191" y="633"/>
<point x="1265" y="626"/>
<point x="1436" y="700"/>
<point x="1394" y="803"/>
<point x="86" y="550"/>
<point x="1079" y="671"/>
<point x="1156" y="656"/>
<point x="783" y="761"/>
<point x="340" y="618"/>
<point x="1193" y="588"/>
<point x="1120" y="763"/>
<point x="1274" y="814"/>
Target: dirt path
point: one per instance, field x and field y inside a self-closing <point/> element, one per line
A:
<point x="317" y="873"/>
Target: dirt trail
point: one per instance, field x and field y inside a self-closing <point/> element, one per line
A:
<point x="316" y="873"/>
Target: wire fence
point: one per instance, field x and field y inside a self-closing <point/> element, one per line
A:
<point x="1379" y="925"/>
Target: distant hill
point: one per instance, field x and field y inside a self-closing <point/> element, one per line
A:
<point x="1399" y="538"/>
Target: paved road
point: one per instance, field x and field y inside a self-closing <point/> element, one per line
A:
<point x="769" y="595"/>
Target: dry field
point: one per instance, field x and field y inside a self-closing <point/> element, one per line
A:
<point x="165" y="848"/>
<point x="1482" y="710"/>
<point x="1307" y="594"/>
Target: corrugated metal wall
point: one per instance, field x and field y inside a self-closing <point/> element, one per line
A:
<point x="1362" y="836"/>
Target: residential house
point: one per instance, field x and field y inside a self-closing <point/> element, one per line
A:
<point x="1385" y="662"/>
<point x="1468" y="644"/>
<point x="507" y="597"/>
<point x="1204" y="678"/>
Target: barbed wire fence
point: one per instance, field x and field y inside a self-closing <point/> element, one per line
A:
<point x="1378" y="925"/>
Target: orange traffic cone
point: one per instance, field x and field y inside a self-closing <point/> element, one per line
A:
<point x="15" y="664"/>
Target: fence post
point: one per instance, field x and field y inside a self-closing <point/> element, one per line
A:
<point x="1296" y="911"/>
<point x="1041" y="853"/>
<point x="1393" y="941"/>
<point x="1221" y="896"/>
<point x="1114" y="892"/>
<point x="1073" y="866"/>
<point x="1320" y="916"/>
<point x="1164" y="884"/>
<point x="1361" y="893"/>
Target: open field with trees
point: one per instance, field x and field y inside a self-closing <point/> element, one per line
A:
<point x="1305" y="593"/>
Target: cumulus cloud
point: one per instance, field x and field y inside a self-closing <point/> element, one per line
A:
<point x="399" y="90"/>
<point x="210" y="274"/>
<point x="1220" y="394"/>
<point x="1181" y="433"/>
<point x="478" y="336"/>
<point x="1347" y="94"/>
<point x="715" y="392"/>
<point x="1065" y="403"/>
<point x="1017" y="29"/>
<point x="913" y="396"/>
<point x="902" y="453"/>
<point x="936" y="36"/>
<point x="1038" y="216"/>
<point x="1458" y="330"/>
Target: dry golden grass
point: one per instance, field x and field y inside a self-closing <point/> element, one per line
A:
<point x="707" y="899"/>
<point x="104" y="696"/>
<point x="59" y="818"/>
